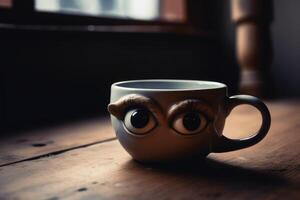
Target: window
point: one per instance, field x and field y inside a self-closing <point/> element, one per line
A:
<point x="126" y="9"/>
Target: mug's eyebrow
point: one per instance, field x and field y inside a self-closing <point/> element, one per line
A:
<point x="190" y="105"/>
<point x="122" y="105"/>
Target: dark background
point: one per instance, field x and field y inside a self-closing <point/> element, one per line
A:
<point x="54" y="74"/>
<point x="286" y="45"/>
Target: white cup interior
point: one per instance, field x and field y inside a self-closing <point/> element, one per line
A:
<point x="165" y="84"/>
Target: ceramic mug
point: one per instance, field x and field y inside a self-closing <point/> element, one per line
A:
<point x="167" y="120"/>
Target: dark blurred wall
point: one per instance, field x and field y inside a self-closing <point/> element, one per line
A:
<point x="286" y="43"/>
<point x="52" y="76"/>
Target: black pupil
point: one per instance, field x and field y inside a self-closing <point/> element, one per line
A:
<point x="139" y="118"/>
<point x="191" y="121"/>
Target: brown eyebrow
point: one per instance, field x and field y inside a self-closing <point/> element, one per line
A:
<point x="122" y="105"/>
<point x="190" y="104"/>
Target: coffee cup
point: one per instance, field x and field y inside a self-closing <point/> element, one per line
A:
<point x="169" y="120"/>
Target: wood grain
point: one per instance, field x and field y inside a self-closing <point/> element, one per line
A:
<point x="268" y="170"/>
<point x="36" y="143"/>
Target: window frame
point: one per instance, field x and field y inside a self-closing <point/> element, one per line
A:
<point x="22" y="15"/>
<point x="23" y="12"/>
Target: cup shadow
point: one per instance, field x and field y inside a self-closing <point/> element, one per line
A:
<point x="215" y="170"/>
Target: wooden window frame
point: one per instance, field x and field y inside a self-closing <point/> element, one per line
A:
<point x="22" y="15"/>
<point x="23" y="12"/>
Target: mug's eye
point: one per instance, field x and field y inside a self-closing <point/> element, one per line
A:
<point x="139" y="121"/>
<point x="190" y="123"/>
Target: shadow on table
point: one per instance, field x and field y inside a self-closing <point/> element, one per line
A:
<point x="213" y="170"/>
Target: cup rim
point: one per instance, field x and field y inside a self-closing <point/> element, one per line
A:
<point x="213" y="85"/>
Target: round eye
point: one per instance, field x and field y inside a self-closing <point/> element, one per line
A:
<point x="190" y="123"/>
<point x="139" y="121"/>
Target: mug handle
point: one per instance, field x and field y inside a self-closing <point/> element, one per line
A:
<point x="224" y="144"/>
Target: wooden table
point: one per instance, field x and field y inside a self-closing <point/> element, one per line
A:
<point x="85" y="161"/>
